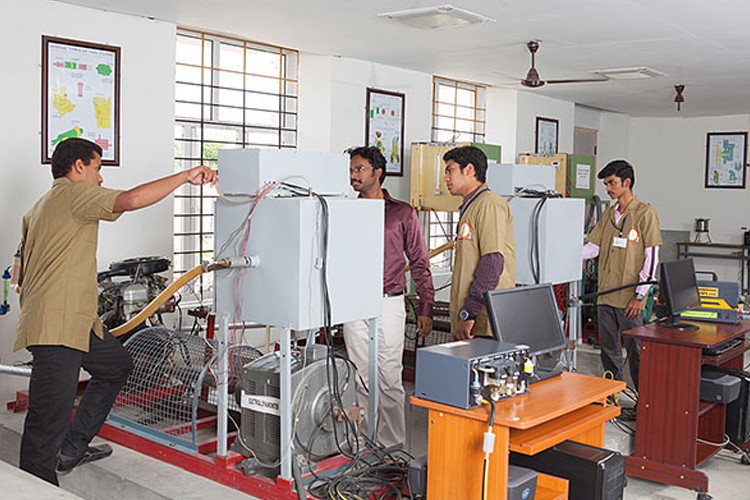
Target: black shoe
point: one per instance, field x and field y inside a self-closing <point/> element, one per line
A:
<point x="66" y="463"/>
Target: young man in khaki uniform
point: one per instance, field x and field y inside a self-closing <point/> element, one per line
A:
<point x="485" y="251"/>
<point x="58" y="322"/>
<point x="626" y="240"/>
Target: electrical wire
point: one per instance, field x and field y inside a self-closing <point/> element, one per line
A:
<point x="717" y="445"/>
<point x="488" y="435"/>
<point x="372" y="471"/>
<point x="587" y="296"/>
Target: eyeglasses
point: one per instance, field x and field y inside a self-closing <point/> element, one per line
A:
<point x="359" y="168"/>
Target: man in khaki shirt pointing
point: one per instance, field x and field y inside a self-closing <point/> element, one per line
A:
<point x="58" y="323"/>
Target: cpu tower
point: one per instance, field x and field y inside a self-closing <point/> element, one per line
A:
<point x="737" y="412"/>
<point x="593" y="473"/>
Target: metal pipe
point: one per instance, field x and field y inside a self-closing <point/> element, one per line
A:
<point x="222" y="388"/>
<point x="23" y="371"/>
<point x="285" y="375"/>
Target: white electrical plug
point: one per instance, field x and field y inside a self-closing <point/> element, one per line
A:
<point x="489" y="442"/>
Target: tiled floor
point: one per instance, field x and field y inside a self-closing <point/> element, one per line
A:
<point x="113" y="478"/>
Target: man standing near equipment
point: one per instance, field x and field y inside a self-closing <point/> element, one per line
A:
<point x="485" y="251"/>
<point x="58" y="323"/>
<point x="626" y="239"/>
<point x="403" y="238"/>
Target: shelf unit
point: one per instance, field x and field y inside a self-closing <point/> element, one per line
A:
<point x="674" y="428"/>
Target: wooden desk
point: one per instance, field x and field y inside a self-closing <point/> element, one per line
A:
<point x="556" y="410"/>
<point x="671" y="418"/>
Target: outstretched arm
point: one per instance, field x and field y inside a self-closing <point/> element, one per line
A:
<point x="151" y="192"/>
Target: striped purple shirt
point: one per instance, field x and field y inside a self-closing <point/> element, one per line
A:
<point x="403" y="240"/>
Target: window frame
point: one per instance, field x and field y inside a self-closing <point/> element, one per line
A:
<point x="214" y="124"/>
<point x="440" y="226"/>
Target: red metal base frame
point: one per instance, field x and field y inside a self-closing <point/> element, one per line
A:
<point x="21" y="403"/>
<point x="220" y="469"/>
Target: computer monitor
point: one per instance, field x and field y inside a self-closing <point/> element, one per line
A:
<point x="527" y="315"/>
<point x="678" y="289"/>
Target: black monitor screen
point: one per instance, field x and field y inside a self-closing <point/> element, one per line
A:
<point x="678" y="288"/>
<point x="526" y="315"/>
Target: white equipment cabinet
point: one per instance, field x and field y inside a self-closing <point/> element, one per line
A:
<point x="286" y="237"/>
<point x="504" y="178"/>
<point x="281" y="270"/>
<point x="245" y="171"/>
<point x="560" y="237"/>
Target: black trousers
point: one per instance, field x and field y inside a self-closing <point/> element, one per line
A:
<point x="612" y="322"/>
<point x="52" y="391"/>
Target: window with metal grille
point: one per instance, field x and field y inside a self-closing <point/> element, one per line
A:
<point x="458" y="115"/>
<point x="441" y="229"/>
<point x="458" y="111"/>
<point x="229" y="93"/>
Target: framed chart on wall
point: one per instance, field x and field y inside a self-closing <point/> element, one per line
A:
<point x="546" y="136"/>
<point x="80" y="95"/>
<point x="384" y="127"/>
<point x="726" y="157"/>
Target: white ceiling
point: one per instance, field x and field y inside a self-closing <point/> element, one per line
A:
<point x="702" y="44"/>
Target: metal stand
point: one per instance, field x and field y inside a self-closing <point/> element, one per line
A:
<point x="372" y="374"/>
<point x="222" y="386"/>
<point x="574" y="323"/>
<point x="285" y="405"/>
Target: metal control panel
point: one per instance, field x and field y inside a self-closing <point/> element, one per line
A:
<point x="463" y="373"/>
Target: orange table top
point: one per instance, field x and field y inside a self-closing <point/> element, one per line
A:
<point x="545" y="401"/>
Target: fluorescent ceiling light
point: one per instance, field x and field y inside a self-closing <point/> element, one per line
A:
<point x="638" y="73"/>
<point x="442" y="16"/>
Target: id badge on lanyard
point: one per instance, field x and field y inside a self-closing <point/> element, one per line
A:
<point x="619" y="242"/>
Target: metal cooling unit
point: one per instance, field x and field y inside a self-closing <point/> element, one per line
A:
<point x="315" y="411"/>
<point x="173" y="385"/>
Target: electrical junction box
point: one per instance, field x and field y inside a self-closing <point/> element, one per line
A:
<point x="445" y="372"/>
<point x="504" y="178"/>
<point x="558" y="231"/>
<point x="245" y="171"/>
<point x="286" y="236"/>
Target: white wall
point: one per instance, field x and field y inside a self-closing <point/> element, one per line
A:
<point x="586" y="117"/>
<point x="146" y="141"/>
<point x="502" y="107"/>
<point x="332" y="106"/>
<point x="315" y="103"/>
<point x="612" y="137"/>
<point x="669" y="155"/>
<point x="531" y="105"/>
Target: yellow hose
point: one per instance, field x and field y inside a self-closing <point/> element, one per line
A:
<point x="159" y="300"/>
<point x="437" y="251"/>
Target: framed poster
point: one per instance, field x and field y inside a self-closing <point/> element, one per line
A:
<point x="726" y="157"/>
<point x="80" y="95"/>
<point x="384" y="127"/>
<point x="546" y="136"/>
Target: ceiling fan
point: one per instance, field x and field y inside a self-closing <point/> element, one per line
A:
<point x="533" y="80"/>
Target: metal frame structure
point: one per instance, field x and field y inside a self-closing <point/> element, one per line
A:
<point x="211" y="457"/>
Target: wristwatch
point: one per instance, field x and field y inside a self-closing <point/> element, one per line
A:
<point x="640" y="296"/>
<point x="466" y="315"/>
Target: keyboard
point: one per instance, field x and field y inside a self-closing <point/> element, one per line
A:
<point x="722" y="348"/>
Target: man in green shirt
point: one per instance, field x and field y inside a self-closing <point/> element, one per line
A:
<point x="58" y="322"/>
